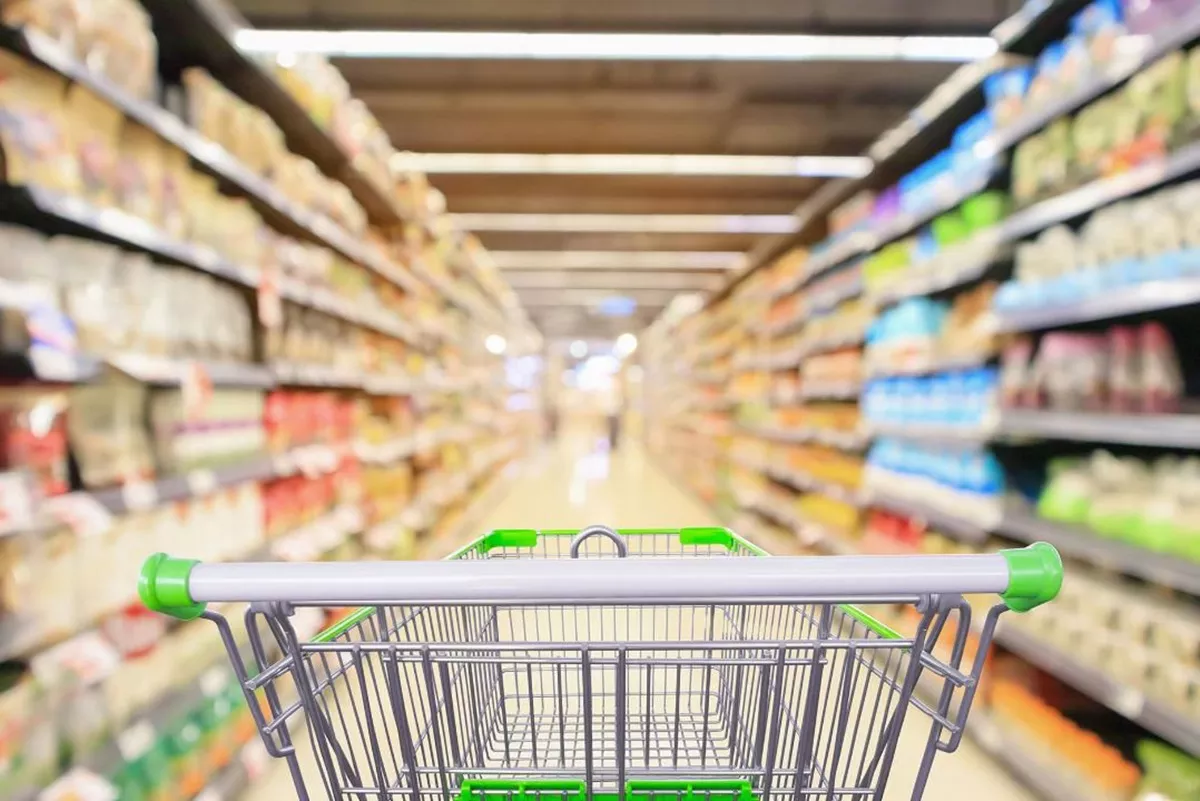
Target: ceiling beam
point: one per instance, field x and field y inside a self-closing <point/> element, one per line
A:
<point x="616" y="260"/>
<point x="592" y="297"/>
<point x="558" y="241"/>
<point x="629" y="223"/>
<point x="503" y="202"/>
<point x="615" y="280"/>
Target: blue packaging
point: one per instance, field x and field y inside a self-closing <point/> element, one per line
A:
<point x="1005" y="93"/>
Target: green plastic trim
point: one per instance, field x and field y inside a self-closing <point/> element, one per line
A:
<point x="741" y="541"/>
<point x="685" y="790"/>
<point x="163" y="587"/>
<point x="508" y="538"/>
<point x="1035" y="575"/>
<point x="635" y="790"/>
<point x="345" y="624"/>
<point x="877" y="626"/>
<point x="522" y="789"/>
<point x="707" y="535"/>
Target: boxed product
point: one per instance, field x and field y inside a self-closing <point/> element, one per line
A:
<point x="35" y="130"/>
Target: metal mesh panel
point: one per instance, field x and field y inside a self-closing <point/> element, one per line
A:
<point x="784" y="700"/>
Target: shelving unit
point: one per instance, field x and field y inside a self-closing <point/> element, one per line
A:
<point x="380" y="325"/>
<point x="793" y="402"/>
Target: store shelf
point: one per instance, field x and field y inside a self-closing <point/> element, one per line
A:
<point x="972" y="266"/>
<point x="1099" y="193"/>
<point x="173" y="371"/>
<point x="1034" y="25"/>
<point x="1155" y="716"/>
<point x="276" y="207"/>
<point x="954" y="436"/>
<point x="826" y="260"/>
<point x="384" y="322"/>
<point x="831" y="343"/>
<point x="1103" y="552"/>
<point x="842" y="440"/>
<point x="57" y="213"/>
<point x="50" y="366"/>
<point x="316" y="375"/>
<point x="927" y="128"/>
<point x="1148" y="296"/>
<point x="1160" y="430"/>
<point x="143" y="495"/>
<point x="1133" y="59"/>
<point x="821" y="302"/>
<point x="162" y="370"/>
<point x="201" y="32"/>
<point x="1036" y="768"/>
<point x="905" y="223"/>
<point x="829" y="390"/>
<point x="882" y="366"/>
<point x="807" y="483"/>
<point x="954" y="525"/>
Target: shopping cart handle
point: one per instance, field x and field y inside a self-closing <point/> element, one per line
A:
<point x="1024" y="578"/>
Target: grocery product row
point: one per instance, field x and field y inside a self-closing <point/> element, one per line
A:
<point x="1068" y="680"/>
<point x="233" y="325"/>
<point x="131" y="678"/>
<point x="983" y="343"/>
<point x="125" y="168"/>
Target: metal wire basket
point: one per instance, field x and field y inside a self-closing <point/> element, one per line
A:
<point x="596" y="665"/>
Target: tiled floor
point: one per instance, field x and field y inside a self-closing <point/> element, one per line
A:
<point x="578" y="483"/>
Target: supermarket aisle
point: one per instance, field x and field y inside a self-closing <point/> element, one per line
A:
<point x="577" y="483"/>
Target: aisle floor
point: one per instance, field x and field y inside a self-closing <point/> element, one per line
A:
<point x="577" y="483"/>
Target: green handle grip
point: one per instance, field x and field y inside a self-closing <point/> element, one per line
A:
<point x="163" y="587"/>
<point x="1035" y="575"/>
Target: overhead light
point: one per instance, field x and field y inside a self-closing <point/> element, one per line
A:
<point x="633" y="164"/>
<point x="509" y="45"/>
<point x="631" y="223"/>
<point x="626" y="344"/>
<point x="617" y="259"/>
<point x="579" y="349"/>
<point x="495" y="344"/>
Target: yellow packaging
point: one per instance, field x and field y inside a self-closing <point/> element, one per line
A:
<point x="33" y="131"/>
<point x="93" y="127"/>
<point x="206" y="103"/>
<point x="176" y="173"/>
<point x="139" y="175"/>
<point x="59" y="19"/>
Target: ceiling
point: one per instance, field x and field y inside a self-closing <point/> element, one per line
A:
<point x="625" y="107"/>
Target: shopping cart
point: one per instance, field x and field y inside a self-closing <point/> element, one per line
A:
<point x="528" y="668"/>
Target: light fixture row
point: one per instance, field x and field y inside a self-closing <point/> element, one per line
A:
<point x="633" y="164"/>
<point x="616" y="259"/>
<point x="520" y="45"/>
<point x="630" y="223"/>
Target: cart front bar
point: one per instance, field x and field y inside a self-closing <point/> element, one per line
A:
<point x="1024" y="577"/>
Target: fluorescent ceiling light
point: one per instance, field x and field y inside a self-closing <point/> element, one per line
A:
<point x="631" y="223"/>
<point x="616" y="259"/>
<point x="614" y="46"/>
<point x="632" y="164"/>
